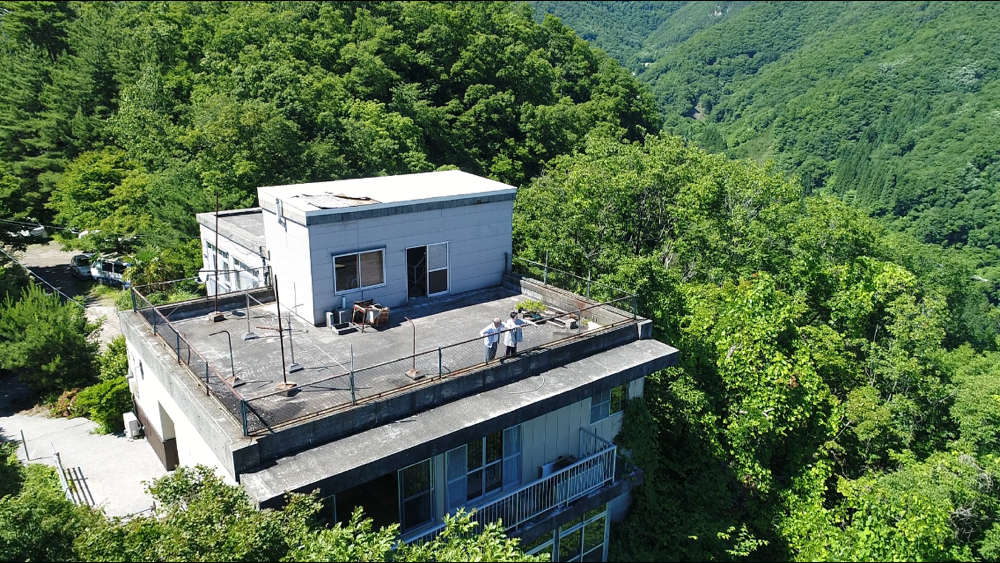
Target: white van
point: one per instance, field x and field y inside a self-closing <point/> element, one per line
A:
<point x="108" y="270"/>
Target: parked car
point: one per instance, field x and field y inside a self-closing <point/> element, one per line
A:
<point x="108" y="270"/>
<point x="81" y="267"/>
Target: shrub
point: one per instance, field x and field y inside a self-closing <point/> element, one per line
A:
<point x="104" y="403"/>
<point x="531" y="306"/>
<point x="113" y="363"/>
<point x="65" y="404"/>
<point x="123" y="301"/>
<point x="46" y="342"/>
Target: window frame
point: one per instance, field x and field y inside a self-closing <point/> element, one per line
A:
<point x="512" y="457"/>
<point x="357" y="254"/>
<point x="607" y="399"/>
<point x="446" y="268"/>
<point x="403" y="526"/>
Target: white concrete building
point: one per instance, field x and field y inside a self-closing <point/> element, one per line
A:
<point x="409" y="420"/>
<point x="235" y="257"/>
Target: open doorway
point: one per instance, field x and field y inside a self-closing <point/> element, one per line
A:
<point x="427" y="270"/>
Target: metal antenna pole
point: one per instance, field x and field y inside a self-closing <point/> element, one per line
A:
<point x="294" y="367"/>
<point x="281" y="333"/>
<point x="216" y="252"/>
<point x="232" y="365"/>
<point x="216" y="316"/>
<point x="413" y="373"/>
<point x="250" y="334"/>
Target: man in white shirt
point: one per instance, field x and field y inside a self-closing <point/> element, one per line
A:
<point x="491" y="337"/>
<point x="512" y="335"/>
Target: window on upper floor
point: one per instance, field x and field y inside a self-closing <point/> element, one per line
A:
<point x="416" y="495"/>
<point x="607" y="403"/>
<point x="360" y="270"/>
<point x="483" y="467"/>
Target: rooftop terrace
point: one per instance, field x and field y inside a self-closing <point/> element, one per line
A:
<point x="340" y="371"/>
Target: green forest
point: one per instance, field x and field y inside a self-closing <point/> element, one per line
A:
<point x="889" y="106"/>
<point x="803" y="196"/>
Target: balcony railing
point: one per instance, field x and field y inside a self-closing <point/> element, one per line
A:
<point x="593" y="471"/>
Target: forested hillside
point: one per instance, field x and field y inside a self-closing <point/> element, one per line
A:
<point x="127" y="117"/>
<point x="891" y="106"/>
<point x="837" y="396"/>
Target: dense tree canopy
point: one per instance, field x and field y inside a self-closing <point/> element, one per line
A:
<point x="891" y="106"/>
<point x="125" y="118"/>
<point x="828" y="404"/>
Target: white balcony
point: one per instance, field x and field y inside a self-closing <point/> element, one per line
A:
<point x="594" y="469"/>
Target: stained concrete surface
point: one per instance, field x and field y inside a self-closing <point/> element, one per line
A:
<point x="113" y="467"/>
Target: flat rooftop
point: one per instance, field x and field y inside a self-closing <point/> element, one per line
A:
<point x="378" y="358"/>
<point x="360" y="457"/>
<point x="339" y="196"/>
<point x="244" y="226"/>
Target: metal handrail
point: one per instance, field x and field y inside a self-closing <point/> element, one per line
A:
<point x="537" y="497"/>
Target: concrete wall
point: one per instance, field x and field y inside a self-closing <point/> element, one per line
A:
<point x="288" y="245"/>
<point x="199" y="424"/>
<point x="477" y="237"/>
<point x="545" y="438"/>
<point x="235" y="250"/>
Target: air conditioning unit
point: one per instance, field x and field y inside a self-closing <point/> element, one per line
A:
<point x="344" y="316"/>
<point x="131" y="425"/>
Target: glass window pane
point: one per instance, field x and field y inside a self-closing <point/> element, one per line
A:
<point x="536" y="543"/>
<point x="371" y="269"/>
<point x="494" y="477"/>
<point x="595" y="555"/>
<point x="570" y="524"/>
<point x="595" y="413"/>
<point x="437" y="256"/>
<point x="593" y="534"/>
<point x="475" y="457"/>
<point x="512" y="471"/>
<point x="416" y="511"/>
<point x="512" y="441"/>
<point x="416" y="478"/>
<point x="595" y="512"/>
<point x="569" y="545"/>
<point x="345" y="270"/>
<point x="437" y="282"/>
<point x="456" y="494"/>
<point x="494" y="447"/>
<point x="475" y="485"/>
<point x="619" y="398"/>
<point x="456" y="463"/>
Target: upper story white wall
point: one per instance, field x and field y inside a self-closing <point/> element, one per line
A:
<point x="477" y="237"/>
<point x="229" y="252"/>
<point x="472" y="215"/>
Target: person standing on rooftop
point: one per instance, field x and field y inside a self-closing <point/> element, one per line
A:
<point x="491" y="337"/>
<point x="512" y="335"/>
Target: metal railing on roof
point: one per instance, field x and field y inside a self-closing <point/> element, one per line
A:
<point x="352" y="386"/>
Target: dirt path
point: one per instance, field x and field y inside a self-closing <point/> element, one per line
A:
<point x="52" y="264"/>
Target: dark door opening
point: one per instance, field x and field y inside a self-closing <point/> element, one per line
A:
<point x="378" y="498"/>
<point x="416" y="272"/>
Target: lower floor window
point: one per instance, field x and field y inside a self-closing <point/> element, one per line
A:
<point x="416" y="495"/>
<point x="582" y="539"/>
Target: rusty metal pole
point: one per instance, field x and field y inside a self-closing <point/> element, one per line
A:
<point x="216" y="269"/>
<point x="281" y="333"/>
<point x="413" y="373"/>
